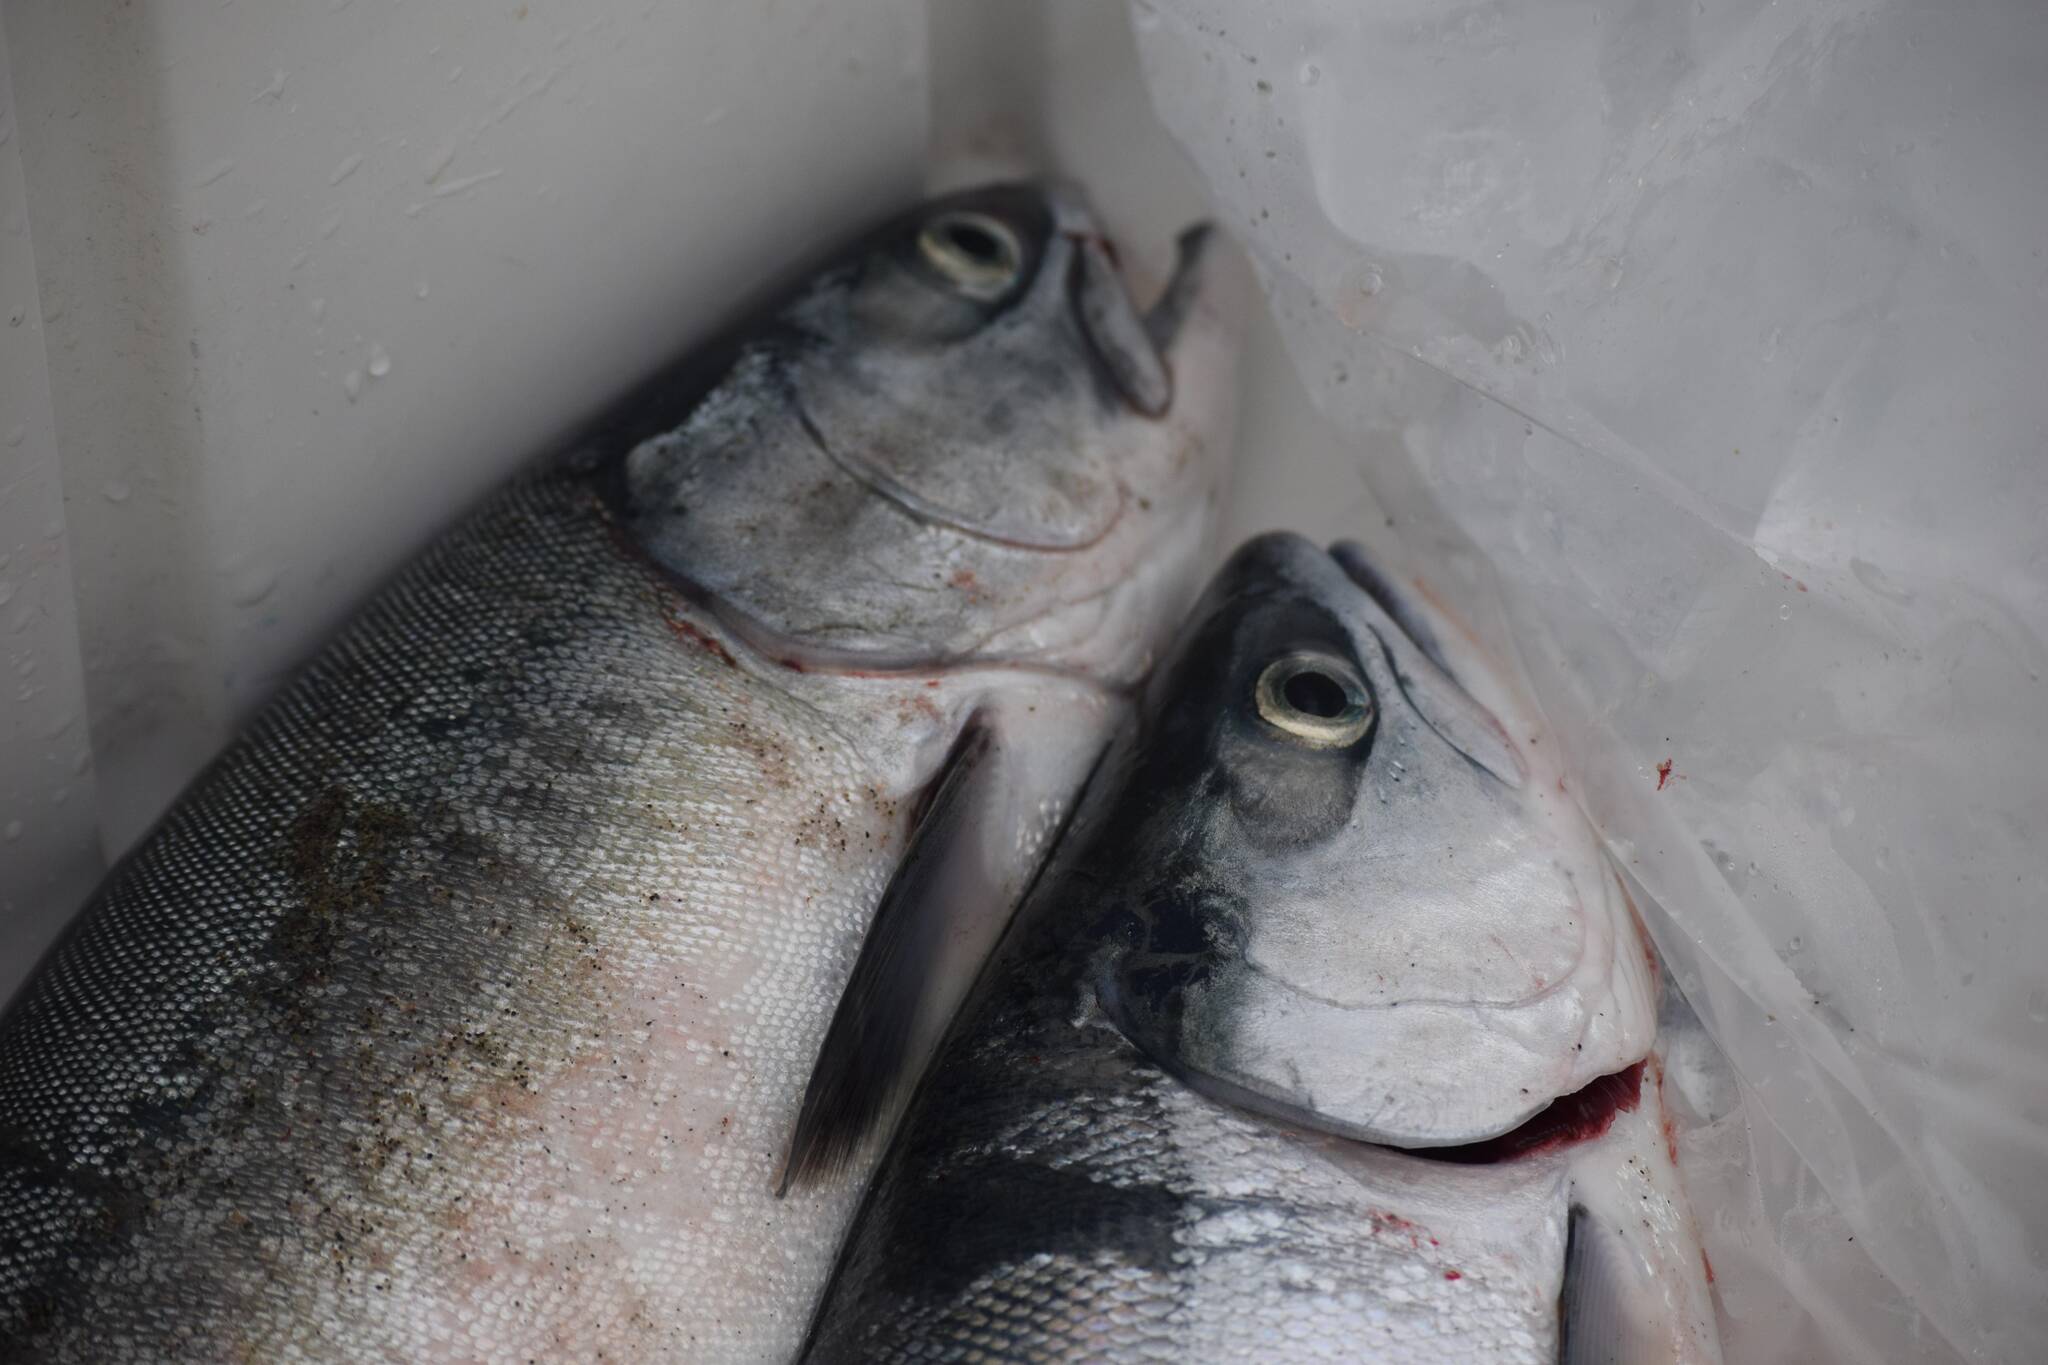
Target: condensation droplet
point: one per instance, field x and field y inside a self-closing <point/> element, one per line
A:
<point x="16" y="434"/>
<point x="380" y="361"/>
<point x="1796" y="943"/>
<point x="2037" y="1005"/>
<point x="115" y="491"/>
<point x="352" y="384"/>
<point x="420" y="290"/>
<point x="1309" y="74"/>
<point x="1784" y="611"/>
<point x="13" y="831"/>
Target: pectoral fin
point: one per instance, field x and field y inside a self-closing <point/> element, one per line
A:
<point x="868" y="1052"/>
<point x="1597" y="1324"/>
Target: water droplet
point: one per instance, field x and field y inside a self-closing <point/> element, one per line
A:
<point x="319" y="307"/>
<point x="1784" y="611"/>
<point x="1309" y="74"/>
<point x="352" y="384"/>
<point x="115" y="491"/>
<point x="13" y="831"/>
<point x="2037" y="1005"/>
<point x="380" y="362"/>
<point x="420" y="290"/>
<point x="16" y="434"/>
<point x="332" y="225"/>
<point x="1796" y="943"/>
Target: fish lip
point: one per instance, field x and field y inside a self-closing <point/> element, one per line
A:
<point x="1157" y="328"/>
<point x="1570" y="1120"/>
<point x="1194" y="249"/>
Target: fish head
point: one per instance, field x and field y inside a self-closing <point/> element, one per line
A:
<point x="1333" y="895"/>
<point x="963" y="441"/>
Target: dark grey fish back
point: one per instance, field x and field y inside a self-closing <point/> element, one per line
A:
<point x="156" y="1028"/>
<point x="1031" y="1195"/>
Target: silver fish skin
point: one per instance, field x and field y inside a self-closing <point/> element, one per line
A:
<point x="462" y="1008"/>
<point x="1066" y="1184"/>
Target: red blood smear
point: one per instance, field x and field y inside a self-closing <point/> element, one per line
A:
<point x="1454" y="1275"/>
<point x="1577" y="1117"/>
<point x="1663" y="774"/>
<point x="685" y="630"/>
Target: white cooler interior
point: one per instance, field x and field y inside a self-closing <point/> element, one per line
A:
<point x="1693" y="356"/>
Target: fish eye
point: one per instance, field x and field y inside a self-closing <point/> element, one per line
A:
<point x="977" y="254"/>
<point x="1317" y="699"/>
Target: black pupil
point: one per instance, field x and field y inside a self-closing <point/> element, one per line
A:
<point x="974" y="242"/>
<point x="1314" y="694"/>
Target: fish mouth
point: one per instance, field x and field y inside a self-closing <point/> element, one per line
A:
<point x="1567" y="1121"/>
<point x="1133" y="352"/>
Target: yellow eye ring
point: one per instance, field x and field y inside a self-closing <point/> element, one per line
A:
<point x="977" y="254"/>
<point x="1314" y="698"/>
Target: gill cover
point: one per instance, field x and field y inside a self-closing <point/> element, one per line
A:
<point x="1338" y="902"/>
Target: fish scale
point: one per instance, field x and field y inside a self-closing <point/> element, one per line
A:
<point x="325" y="900"/>
<point x="1056" y="1197"/>
<point x="386" y="1019"/>
<point x="463" y="1008"/>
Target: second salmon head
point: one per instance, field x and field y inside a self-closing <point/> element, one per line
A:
<point x="963" y="443"/>
<point x="1339" y="901"/>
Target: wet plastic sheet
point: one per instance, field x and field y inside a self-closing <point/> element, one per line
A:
<point x="1714" y="335"/>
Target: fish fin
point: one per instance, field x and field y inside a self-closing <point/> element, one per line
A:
<point x="1595" y="1323"/>
<point x="866" y="1056"/>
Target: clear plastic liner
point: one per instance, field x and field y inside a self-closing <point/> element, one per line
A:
<point x="1697" y="351"/>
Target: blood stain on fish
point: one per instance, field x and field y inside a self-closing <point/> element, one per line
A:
<point x="1663" y="774"/>
<point x="1581" y="1116"/>
<point x="685" y="630"/>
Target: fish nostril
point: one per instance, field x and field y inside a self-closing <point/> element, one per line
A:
<point x="1315" y="694"/>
